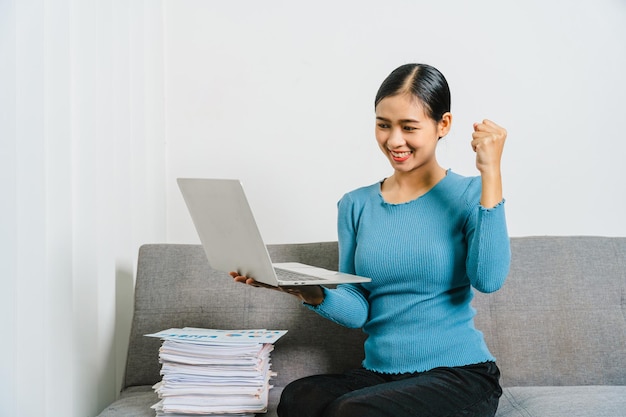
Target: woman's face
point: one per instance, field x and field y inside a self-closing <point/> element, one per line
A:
<point x="406" y="134"/>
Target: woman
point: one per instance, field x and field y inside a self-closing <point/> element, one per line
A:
<point x="425" y="235"/>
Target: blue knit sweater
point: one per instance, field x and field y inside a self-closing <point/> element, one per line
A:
<point x="423" y="257"/>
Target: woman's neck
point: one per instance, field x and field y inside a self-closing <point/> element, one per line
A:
<point x="402" y="187"/>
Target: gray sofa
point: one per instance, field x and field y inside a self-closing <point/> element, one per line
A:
<point x="557" y="327"/>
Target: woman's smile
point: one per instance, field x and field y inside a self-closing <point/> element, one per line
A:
<point x="400" y="156"/>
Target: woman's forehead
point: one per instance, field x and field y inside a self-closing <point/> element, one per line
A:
<point x="401" y="106"/>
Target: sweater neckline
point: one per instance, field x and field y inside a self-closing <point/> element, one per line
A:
<point x="421" y="197"/>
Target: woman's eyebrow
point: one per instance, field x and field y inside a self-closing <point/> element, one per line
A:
<point x="401" y="121"/>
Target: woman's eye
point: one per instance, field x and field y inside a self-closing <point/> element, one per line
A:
<point x="383" y="125"/>
<point x="409" y="128"/>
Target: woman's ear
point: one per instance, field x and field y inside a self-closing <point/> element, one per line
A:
<point x="444" y="125"/>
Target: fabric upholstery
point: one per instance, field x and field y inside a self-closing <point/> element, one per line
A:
<point x="175" y="288"/>
<point x="560" y="317"/>
<point x="576" y="401"/>
<point x="568" y="401"/>
<point x="557" y="327"/>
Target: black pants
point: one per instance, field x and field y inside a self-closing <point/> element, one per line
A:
<point x="472" y="390"/>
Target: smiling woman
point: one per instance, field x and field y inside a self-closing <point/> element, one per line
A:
<point x="446" y="233"/>
<point x="412" y="113"/>
<point x="408" y="136"/>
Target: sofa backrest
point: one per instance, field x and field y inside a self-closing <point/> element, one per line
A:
<point x="560" y="318"/>
<point x="175" y="287"/>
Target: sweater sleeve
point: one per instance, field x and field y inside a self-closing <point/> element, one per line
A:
<point x="347" y="304"/>
<point x="488" y="252"/>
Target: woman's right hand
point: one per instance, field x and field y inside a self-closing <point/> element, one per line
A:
<point x="310" y="294"/>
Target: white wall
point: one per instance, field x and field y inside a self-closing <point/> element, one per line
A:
<point x="280" y="95"/>
<point x="82" y="166"/>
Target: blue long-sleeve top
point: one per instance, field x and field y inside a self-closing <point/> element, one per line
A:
<point x="423" y="256"/>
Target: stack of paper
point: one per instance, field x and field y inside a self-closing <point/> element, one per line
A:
<point x="214" y="372"/>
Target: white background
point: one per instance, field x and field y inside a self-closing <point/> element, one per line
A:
<point x="280" y="94"/>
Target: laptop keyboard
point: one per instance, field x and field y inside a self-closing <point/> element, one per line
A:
<point x="286" y="275"/>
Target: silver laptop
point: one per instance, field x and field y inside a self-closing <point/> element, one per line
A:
<point x="232" y="241"/>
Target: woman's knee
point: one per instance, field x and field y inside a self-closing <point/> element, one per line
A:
<point x="291" y="399"/>
<point x="303" y="398"/>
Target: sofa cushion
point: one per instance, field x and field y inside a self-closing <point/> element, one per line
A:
<point x="576" y="401"/>
<point x="177" y="288"/>
<point x="136" y="402"/>
<point x="133" y="402"/>
<point x="556" y="327"/>
<point x="559" y="318"/>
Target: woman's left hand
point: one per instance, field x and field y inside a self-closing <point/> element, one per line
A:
<point x="488" y="142"/>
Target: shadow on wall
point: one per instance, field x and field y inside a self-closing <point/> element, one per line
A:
<point x="124" y="296"/>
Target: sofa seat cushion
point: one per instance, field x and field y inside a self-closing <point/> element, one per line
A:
<point x="136" y="402"/>
<point x="133" y="402"/>
<point x="563" y="401"/>
<point x="577" y="401"/>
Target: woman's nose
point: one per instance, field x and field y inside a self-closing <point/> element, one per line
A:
<point x="396" y="138"/>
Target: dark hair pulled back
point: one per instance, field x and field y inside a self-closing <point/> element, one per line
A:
<point x="424" y="82"/>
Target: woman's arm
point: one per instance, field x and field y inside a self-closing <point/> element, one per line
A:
<point x="488" y="248"/>
<point x="489" y="254"/>
<point x="347" y="304"/>
<point x="488" y="142"/>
